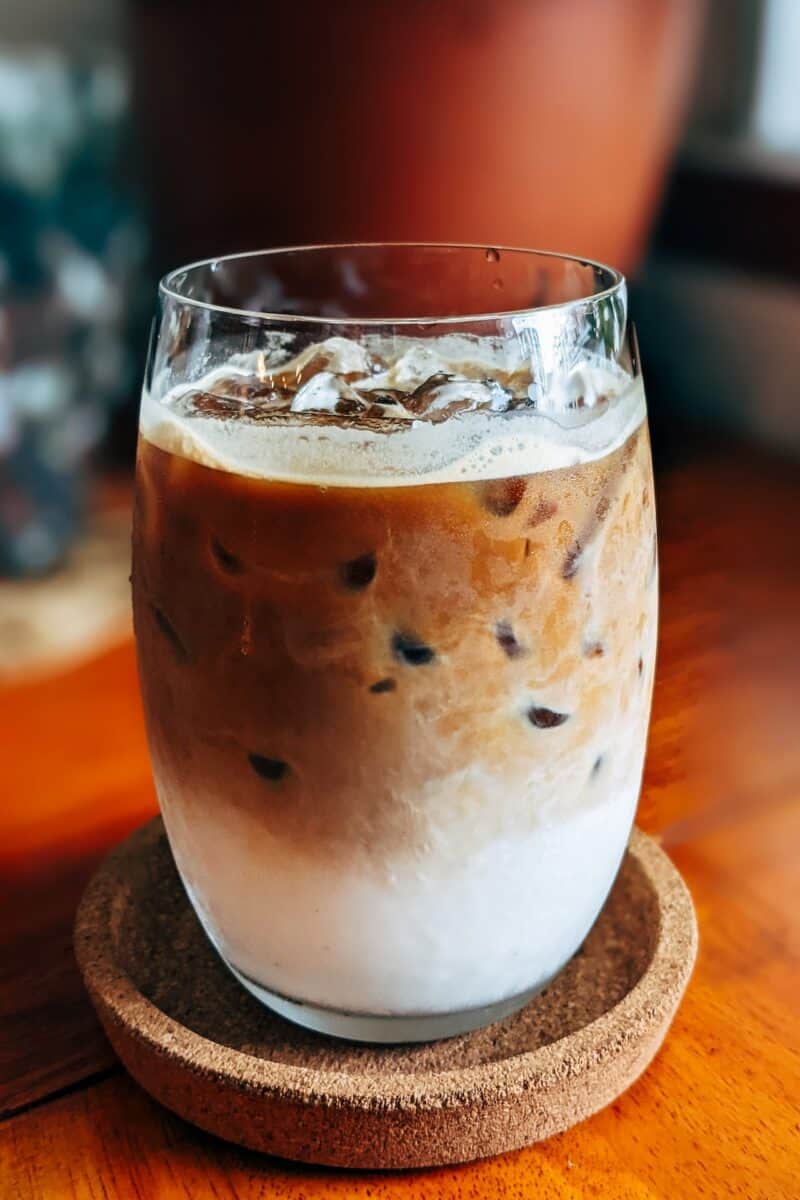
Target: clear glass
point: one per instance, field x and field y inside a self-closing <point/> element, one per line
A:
<point x="395" y="596"/>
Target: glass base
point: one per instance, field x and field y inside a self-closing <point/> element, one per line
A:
<point x="386" y="1030"/>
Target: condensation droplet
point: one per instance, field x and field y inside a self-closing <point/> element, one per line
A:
<point x="492" y="255"/>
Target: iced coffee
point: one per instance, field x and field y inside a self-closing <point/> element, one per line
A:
<point x="395" y="612"/>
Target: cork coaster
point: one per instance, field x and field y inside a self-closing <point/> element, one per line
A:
<point x="204" y="1047"/>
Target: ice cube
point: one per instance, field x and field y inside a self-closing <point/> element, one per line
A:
<point x="335" y="356"/>
<point x="326" y="392"/>
<point x="243" y="387"/>
<point x="588" y="384"/>
<point x="442" y="396"/>
<point x="229" y="401"/>
<point x="406" y="373"/>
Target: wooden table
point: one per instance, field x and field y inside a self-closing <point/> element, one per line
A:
<point x="718" y="1113"/>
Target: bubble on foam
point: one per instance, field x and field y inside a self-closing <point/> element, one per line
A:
<point x="484" y="435"/>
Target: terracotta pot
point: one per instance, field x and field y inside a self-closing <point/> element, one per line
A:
<point x="529" y="122"/>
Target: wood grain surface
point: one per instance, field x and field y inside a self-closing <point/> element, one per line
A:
<point x="718" y="1113"/>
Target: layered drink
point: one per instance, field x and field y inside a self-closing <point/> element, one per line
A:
<point x="395" y="605"/>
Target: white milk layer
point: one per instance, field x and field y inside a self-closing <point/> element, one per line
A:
<point x="415" y="940"/>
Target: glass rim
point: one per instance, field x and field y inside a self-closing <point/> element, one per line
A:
<point x="167" y="288"/>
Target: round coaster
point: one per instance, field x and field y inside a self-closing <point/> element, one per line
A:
<point x="204" y="1047"/>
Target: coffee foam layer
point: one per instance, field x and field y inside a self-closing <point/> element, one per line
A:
<point x="508" y="426"/>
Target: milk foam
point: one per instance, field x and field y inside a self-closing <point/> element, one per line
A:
<point x="513" y="428"/>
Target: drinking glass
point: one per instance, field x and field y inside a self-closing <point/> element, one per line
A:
<point x="395" y="599"/>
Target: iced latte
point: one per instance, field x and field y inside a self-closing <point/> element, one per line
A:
<point x="396" y="624"/>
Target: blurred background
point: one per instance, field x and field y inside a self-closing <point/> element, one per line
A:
<point x="662" y="136"/>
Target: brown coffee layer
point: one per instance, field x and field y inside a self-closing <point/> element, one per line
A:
<point x="358" y="666"/>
